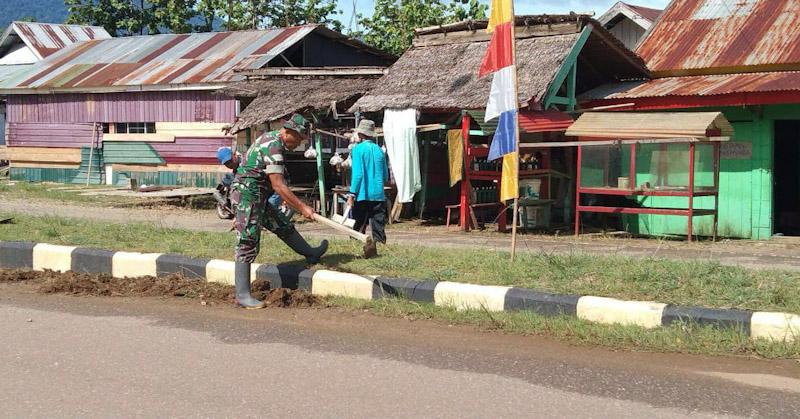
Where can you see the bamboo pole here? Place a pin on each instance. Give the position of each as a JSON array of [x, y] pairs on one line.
[[516, 134]]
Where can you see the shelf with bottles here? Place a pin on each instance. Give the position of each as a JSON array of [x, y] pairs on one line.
[[485, 192]]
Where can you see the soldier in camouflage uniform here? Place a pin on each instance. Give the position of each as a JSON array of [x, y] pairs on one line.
[[260, 173]]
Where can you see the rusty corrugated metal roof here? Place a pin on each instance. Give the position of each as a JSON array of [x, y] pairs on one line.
[[45, 39], [709, 85], [169, 59], [724, 36]]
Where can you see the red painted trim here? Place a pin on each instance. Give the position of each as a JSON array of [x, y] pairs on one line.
[[683, 102], [465, 182]]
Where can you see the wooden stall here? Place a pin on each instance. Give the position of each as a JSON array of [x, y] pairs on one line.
[[640, 155]]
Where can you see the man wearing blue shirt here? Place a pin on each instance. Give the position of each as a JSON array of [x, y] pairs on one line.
[[366, 187]]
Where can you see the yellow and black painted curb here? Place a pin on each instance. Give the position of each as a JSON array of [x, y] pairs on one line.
[[40, 256]]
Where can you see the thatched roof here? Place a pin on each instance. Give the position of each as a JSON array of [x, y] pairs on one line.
[[446, 76], [442, 75], [278, 97]]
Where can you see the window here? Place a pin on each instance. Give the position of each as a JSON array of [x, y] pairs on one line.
[[135, 127], [106, 127]]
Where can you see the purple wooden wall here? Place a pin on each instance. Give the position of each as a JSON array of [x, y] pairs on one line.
[[49, 135], [184, 106], [191, 150]]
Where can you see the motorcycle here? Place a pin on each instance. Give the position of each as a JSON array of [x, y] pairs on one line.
[[225, 209]]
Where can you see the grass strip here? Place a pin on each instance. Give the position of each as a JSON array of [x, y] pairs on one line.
[[693, 283], [680, 338]]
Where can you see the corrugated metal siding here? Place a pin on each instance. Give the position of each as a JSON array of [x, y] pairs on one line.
[[192, 150], [628, 32], [196, 179], [26, 134], [158, 59], [184, 106], [124, 152], [36, 174], [707, 34]]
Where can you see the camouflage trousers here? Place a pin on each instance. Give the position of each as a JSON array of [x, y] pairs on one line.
[[253, 213]]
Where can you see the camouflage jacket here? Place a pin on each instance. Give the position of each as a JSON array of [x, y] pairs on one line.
[[263, 158]]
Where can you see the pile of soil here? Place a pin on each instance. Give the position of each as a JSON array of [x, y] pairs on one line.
[[177, 285]]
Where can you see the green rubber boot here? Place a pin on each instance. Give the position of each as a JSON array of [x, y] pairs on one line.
[[242, 281], [297, 243]]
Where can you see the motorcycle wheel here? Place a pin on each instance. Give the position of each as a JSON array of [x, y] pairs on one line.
[[224, 213]]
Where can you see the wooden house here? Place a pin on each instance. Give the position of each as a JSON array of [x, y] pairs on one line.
[[629, 22], [147, 107], [740, 58], [558, 58]]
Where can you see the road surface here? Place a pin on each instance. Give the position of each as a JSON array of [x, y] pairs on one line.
[[64, 356]]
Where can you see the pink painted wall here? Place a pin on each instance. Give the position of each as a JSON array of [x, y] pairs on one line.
[[21, 134], [191, 150], [184, 106]]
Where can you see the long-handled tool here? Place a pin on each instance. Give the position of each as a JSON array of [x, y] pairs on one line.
[[370, 250]]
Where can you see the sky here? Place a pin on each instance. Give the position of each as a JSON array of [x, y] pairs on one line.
[[529, 7]]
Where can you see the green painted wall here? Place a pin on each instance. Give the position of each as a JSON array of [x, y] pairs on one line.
[[130, 153], [745, 201]]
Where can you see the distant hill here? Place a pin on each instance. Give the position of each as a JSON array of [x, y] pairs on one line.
[[49, 11]]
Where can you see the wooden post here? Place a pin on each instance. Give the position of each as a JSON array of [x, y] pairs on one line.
[[716, 151], [426, 150], [320, 173], [578, 192], [516, 134], [91, 152], [632, 169], [465, 183], [691, 191]]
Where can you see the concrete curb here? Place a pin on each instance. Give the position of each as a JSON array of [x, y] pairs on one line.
[[40, 256]]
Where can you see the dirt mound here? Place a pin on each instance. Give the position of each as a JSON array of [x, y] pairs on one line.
[[17, 275], [284, 297], [177, 285], [147, 286]]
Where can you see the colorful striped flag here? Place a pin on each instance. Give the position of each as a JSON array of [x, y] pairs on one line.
[[503, 102]]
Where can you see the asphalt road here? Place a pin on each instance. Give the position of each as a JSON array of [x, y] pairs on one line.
[[116, 357]]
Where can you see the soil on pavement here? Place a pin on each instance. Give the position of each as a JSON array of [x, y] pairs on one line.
[[72, 283]]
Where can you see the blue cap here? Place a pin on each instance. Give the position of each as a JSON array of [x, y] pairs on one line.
[[224, 154]]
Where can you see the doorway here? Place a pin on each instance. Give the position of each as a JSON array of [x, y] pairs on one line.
[[786, 178]]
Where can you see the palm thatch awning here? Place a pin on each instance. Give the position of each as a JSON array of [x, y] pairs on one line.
[[441, 74], [277, 97]]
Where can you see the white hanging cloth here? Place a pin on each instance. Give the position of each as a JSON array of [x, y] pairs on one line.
[[400, 135]]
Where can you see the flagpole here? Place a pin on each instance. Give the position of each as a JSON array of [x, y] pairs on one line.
[[516, 134]]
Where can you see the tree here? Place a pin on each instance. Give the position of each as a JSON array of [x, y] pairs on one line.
[[301, 12], [129, 17], [391, 27], [171, 15], [118, 17]]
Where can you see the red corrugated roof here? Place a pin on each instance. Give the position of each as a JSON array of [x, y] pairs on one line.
[[724, 36], [645, 12], [44, 39], [701, 86], [532, 121]]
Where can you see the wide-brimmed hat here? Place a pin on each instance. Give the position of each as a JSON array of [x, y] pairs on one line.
[[366, 127], [297, 123]]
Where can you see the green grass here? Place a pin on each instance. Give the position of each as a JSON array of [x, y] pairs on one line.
[[53, 192], [667, 281], [683, 338]]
